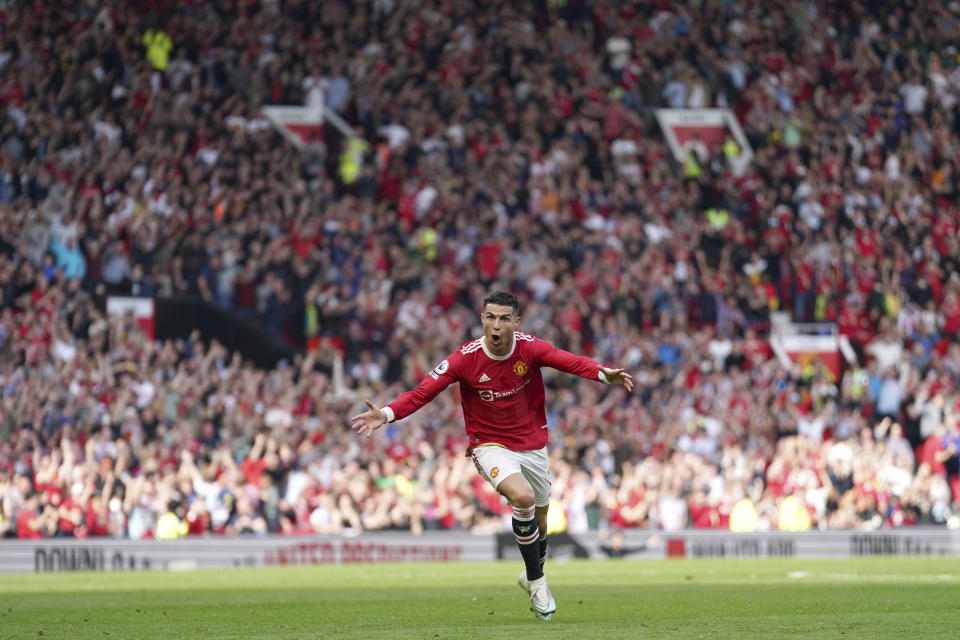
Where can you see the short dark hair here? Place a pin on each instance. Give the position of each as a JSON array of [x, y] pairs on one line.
[[503, 299]]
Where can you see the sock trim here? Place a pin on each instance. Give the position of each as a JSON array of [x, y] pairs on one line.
[[524, 515], [529, 540]]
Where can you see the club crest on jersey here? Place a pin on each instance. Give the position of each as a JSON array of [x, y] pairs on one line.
[[494, 472], [521, 368]]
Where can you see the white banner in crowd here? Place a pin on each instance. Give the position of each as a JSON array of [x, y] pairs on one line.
[[143, 311], [105, 554], [684, 129], [300, 125]]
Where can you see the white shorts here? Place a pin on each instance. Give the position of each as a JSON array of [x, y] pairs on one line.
[[494, 463]]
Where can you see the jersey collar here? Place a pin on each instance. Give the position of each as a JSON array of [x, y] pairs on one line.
[[483, 343]]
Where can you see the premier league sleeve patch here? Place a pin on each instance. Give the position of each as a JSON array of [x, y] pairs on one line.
[[439, 370]]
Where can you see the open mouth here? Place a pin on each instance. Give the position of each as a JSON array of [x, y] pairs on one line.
[[495, 339]]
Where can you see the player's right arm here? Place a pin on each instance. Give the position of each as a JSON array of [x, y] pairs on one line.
[[442, 376]]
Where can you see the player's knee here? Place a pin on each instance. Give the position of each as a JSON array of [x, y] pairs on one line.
[[523, 498], [518, 491]]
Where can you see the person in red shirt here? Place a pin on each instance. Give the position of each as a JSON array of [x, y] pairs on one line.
[[255, 463], [502, 396], [70, 513], [97, 517], [30, 524]]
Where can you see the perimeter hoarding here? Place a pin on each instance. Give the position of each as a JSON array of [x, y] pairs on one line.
[[104, 554]]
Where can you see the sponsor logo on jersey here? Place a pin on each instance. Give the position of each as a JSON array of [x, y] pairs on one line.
[[490, 395], [521, 368], [494, 472], [484, 378]]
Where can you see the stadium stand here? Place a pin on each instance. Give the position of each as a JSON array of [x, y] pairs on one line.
[[502, 146]]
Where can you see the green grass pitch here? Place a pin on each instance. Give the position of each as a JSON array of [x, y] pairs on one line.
[[844, 599]]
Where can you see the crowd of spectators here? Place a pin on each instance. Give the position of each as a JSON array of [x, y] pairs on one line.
[[506, 145]]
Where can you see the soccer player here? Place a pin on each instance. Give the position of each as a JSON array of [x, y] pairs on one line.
[[503, 408]]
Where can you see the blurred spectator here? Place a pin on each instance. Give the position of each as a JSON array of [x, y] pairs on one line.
[[169, 525]]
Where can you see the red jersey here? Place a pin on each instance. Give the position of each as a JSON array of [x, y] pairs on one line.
[[25, 517], [502, 396]]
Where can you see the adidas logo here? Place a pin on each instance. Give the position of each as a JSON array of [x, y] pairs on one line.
[[484, 378]]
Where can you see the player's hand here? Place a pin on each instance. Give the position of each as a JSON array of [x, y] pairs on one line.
[[618, 376], [369, 421]]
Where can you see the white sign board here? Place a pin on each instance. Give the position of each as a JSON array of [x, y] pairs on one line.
[[142, 310], [685, 128]]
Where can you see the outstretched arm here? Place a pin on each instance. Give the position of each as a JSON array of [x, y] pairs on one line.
[[369, 421], [433, 383], [616, 376], [582, 366]]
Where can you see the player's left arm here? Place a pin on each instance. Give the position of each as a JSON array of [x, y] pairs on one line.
[[550, 356]]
